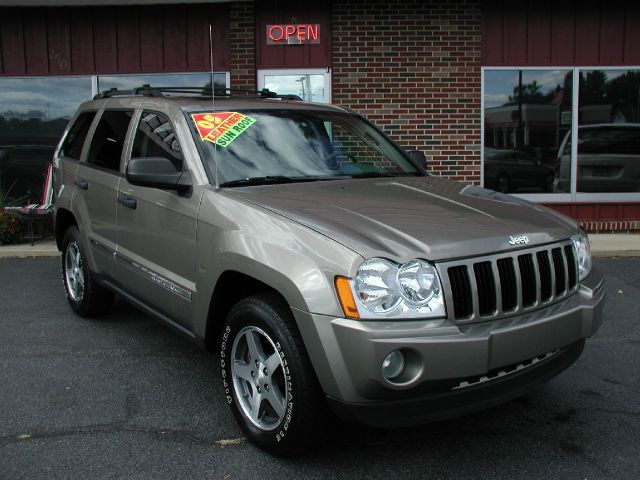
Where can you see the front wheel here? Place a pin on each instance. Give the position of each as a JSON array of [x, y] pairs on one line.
[[86, 297], [268, 380]]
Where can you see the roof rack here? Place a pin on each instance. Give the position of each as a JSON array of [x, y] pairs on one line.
[[149, 91]]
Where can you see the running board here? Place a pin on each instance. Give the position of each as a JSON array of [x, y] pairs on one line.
[[151, 310]]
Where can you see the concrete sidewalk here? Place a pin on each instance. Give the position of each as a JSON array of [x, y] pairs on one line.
[[602, 245]]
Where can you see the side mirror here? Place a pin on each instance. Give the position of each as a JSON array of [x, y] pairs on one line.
[[157, 172], [418, 157]]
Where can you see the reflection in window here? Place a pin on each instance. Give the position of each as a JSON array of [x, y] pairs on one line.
[[108, 140], [527, 115], [33, 114], [303, 144], [156, 138], [309, 87], [609, 131], [129, 82]]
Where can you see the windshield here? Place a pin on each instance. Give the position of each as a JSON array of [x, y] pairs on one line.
[[278, 146]]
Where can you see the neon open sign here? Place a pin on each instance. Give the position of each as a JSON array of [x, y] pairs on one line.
[[290, 34]]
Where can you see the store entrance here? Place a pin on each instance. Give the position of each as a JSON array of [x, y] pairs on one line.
[[311, 84]]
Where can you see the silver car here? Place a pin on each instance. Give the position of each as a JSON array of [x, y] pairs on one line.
[[328, 270], [608, 159]]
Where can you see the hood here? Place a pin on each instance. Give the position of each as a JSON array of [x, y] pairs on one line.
[[402, 218]]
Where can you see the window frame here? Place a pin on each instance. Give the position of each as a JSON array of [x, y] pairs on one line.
[[125, 146], [137, 118], [65, 137], [573, 196]]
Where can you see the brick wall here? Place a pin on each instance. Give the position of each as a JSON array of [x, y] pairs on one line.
[[242, 45], [413, 68]]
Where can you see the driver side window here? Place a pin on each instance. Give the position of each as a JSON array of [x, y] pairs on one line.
[[155, 137]]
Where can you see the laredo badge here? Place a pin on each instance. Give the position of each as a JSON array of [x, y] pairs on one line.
[[221, 128]]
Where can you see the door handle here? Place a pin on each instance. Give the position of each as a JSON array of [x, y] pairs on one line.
[[127, 201], [82, 184]]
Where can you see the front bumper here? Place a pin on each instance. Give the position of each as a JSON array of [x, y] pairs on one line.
[[518, 353]]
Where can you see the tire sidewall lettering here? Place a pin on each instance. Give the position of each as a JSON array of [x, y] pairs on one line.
[[227, 339]]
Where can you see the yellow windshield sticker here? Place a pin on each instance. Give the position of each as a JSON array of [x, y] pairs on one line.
[[221, 128]]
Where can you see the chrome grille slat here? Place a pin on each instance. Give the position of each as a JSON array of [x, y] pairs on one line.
[[506, 284]]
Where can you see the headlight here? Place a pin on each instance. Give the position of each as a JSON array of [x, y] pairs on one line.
[[583, 254], [376, 286], [385, 289]]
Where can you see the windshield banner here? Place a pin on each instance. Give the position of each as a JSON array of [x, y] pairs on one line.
[[221, 128]]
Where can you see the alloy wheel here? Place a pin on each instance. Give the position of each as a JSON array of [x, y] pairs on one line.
[[259, 378]]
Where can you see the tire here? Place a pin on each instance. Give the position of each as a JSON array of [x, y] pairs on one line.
[[86, 297], [548, 183], [503, 183], [275, 398]]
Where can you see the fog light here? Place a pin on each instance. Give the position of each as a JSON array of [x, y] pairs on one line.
[[393, 365]]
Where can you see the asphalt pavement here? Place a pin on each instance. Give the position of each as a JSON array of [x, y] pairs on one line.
[[125, 397]]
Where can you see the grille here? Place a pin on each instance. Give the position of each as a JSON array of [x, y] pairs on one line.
[[497, 285]]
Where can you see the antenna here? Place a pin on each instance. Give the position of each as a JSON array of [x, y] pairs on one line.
[[213, 106]]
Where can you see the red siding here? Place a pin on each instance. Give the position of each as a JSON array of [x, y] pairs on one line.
[[603, 216], [105, 44], [151, 29], [128, 39], [293, 56], [81, 40], [561, 33], [539, 26], [58, 43], [175, 49], [12, 41], [632, 36], [35, 43]]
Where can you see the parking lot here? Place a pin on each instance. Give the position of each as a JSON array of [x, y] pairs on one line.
[[125, 397]]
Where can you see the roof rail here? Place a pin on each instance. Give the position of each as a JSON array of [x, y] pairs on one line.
[[149, 91]]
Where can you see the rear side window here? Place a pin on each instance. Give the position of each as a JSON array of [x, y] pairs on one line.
[[610, 141], [108, 140], [72, 146], [155, 137]]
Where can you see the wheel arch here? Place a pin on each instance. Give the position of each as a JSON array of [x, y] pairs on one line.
[[64, 220], [231, 287]]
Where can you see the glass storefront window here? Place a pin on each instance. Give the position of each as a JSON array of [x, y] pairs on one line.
[[609, 131], [310, 88], [34, 112], [527, 114], [128, 82], [310, 84]]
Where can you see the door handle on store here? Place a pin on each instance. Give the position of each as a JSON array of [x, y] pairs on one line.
[[82, 184], [127, 201]]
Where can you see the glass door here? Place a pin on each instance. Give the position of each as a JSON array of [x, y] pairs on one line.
[[311, 84]]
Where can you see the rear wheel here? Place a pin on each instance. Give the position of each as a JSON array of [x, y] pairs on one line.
[[268, 379], [86, 297]]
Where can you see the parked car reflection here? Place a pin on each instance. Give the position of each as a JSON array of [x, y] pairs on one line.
[[510, 171], [608, 159]]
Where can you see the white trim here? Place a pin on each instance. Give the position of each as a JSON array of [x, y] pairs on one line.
[[298, 71], [607, 197], [94, 85], [545, 197], [575, 111], [482, 127], [574, 196]]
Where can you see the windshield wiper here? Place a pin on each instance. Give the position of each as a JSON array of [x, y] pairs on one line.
[[271, 180], [372, 175], [381, 174]]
